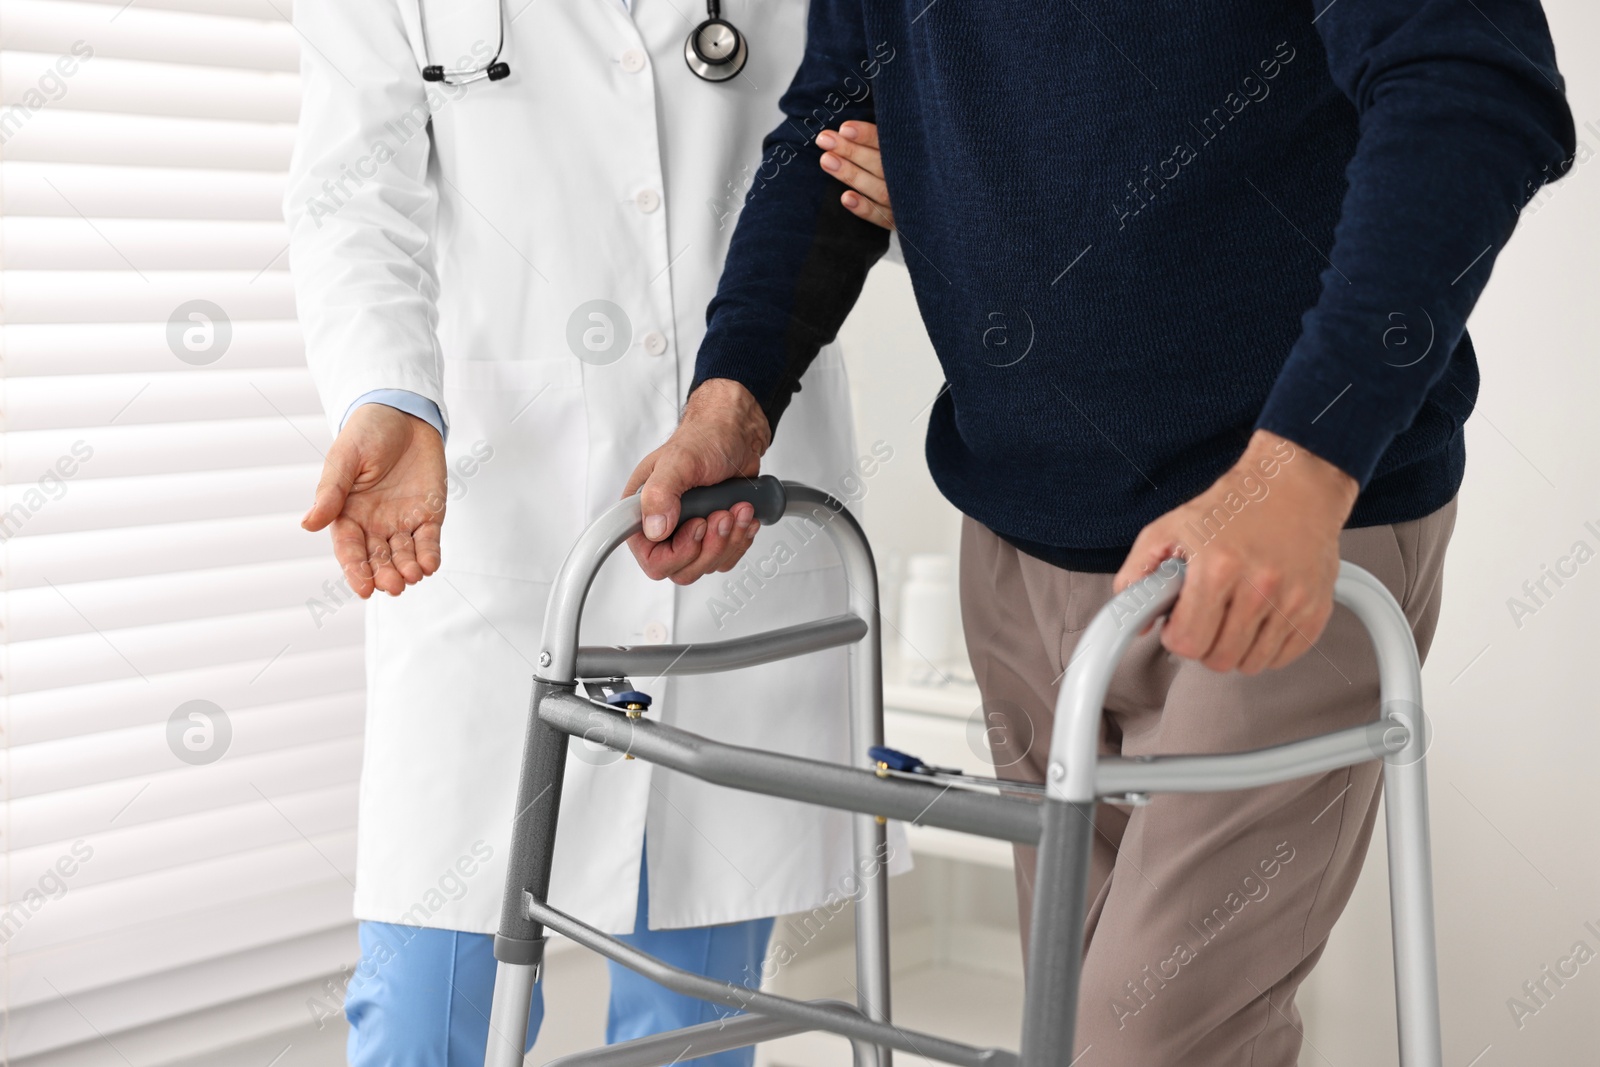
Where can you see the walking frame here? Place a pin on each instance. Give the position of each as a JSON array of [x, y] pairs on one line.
[[1060, 822]]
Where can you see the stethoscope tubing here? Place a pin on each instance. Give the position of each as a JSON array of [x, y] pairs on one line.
[[707, 68]]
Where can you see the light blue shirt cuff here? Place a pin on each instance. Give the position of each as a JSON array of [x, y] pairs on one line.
[[402, 400]]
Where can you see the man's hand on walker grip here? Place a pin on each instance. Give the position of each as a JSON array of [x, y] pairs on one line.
[[1262, 546], [722, 435], [383, 495]]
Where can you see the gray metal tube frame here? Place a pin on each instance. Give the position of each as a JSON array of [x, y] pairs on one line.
[[692, 1042], [823, 1015], [651, 661], [558, 664], [1076, 776], [754, 770]]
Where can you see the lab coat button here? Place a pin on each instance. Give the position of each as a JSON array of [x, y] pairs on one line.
[[633, 61], [655, 633], [655, 342], [647, 200]]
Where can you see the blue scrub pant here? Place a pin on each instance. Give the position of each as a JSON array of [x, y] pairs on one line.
[[420, 997]]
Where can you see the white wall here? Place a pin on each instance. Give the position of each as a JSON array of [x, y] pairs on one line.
[[1517, 740]]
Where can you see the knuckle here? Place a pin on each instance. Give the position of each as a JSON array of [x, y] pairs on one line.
[[1294, 601], [1314, 607], [1318, 621], [1269, 582], [1223, 567], [1179, 641]]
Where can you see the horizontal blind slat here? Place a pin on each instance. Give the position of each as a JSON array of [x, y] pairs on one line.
[[35, 296], [138, 850], [80, 244], [136, 87], [108, 503], [55, 348], [98, 555], [267, 10], [272, 968], [110, 452], [139, 32], [62, 401], [143, 751], [256, 638], [68, 814], [58, 135], [80, 710], [139, 950], [98, 191], [61, 609], [92, 912]]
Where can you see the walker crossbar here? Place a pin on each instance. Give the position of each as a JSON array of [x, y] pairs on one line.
[[1118, 776], [755, 770], [928, 802], [826, 1015], [719, 1035], [653, 661], [1061, 823]]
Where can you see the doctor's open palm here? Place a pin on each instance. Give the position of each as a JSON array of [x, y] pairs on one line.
[[382, 494]]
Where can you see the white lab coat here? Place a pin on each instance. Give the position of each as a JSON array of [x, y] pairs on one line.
[[450, 262]]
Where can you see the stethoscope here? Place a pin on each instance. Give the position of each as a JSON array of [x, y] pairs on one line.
[[715, 51]]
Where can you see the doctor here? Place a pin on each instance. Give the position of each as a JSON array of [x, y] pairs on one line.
[[502, 267]]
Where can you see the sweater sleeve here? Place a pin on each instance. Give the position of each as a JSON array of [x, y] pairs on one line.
[[1462, 119], [798, 258]]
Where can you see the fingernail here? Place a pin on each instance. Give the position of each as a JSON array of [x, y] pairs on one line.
[[699, 532], [850, 200], [655, 526], [826, 139], [830, 161], [725, 527], [849, 130]]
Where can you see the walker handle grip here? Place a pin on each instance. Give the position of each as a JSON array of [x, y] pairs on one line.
[[765, 494]]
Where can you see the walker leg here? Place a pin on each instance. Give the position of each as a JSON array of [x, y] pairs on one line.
[[519, 946], [870, 836], [508, 1014], [1055, 942], [1416, 972], [872, 932]]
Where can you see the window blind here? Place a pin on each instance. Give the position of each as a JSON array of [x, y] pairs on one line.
[[180, 665]]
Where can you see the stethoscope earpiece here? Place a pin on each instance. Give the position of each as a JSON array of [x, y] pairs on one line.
[[715, 50], [493, 70]]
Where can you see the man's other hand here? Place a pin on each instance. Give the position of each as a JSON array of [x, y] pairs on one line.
[[722, 435], [383, 492], [1262, 546], [852, 156]]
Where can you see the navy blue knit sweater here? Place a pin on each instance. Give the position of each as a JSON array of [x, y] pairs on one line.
[[1137, 232]]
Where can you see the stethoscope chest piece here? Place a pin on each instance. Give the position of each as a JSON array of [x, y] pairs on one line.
[[715, 50]]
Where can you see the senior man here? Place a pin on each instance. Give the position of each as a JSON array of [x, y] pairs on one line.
[[1233, 248]]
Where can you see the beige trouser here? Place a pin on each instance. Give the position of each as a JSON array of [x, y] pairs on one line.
[[1206, 911]]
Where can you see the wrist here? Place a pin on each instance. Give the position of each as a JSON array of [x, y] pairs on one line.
[[1299, 466], [731, 407]]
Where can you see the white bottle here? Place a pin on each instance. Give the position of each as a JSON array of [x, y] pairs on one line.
[[927, 611]]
